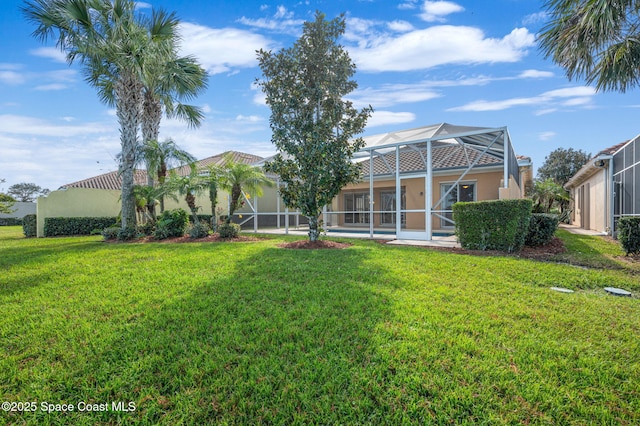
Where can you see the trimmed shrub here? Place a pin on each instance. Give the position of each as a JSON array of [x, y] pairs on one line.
[[171, 223], [110, 233], [30, 225], [198, 230], [629, 234], [228, 230], [10, 221], [492, 225], [64, 226], [542, 228]]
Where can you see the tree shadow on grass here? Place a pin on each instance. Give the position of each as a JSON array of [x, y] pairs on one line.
[[283, 338]]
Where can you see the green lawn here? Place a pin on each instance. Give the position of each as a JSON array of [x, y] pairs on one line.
[[250, 333]]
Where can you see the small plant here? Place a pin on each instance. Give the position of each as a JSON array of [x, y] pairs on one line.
[[110, 233], [199, 230], [629, 234], [228, 230], [542, 228], [171, 223]]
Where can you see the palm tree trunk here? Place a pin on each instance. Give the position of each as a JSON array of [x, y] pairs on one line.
[[151, 117], [128, 91]]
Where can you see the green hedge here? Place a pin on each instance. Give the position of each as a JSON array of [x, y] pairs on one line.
[[62, 226], [629, 234], [30, 225], [542, 228], [10, 221], [492, 225]]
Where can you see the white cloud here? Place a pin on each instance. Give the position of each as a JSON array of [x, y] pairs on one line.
[[382, 118], [435, 11], [393, 94], [50, 52], [535, 74], [282, 21], [11, 78], [439, 45], [535, 18], [249, 118], [545, 136], [23, 125], [400, 26], [50, 87], [577, 96], [221, 50]]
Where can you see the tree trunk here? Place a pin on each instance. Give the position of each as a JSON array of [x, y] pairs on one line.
[[151, 117], [128, 91], [314, 232]]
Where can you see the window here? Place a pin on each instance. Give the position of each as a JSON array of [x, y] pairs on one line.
[[388, 207], [356, 207], [461, 192]]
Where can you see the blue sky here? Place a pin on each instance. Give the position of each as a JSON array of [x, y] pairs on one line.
[[419, 63]]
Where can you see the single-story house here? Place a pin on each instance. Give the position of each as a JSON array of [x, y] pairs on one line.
[[431, 167], [607, 188]]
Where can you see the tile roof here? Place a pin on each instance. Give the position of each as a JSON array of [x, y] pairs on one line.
[[413, 160], [612, 149], [113, 181]]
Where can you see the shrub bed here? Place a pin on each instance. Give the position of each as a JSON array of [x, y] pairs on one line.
[[542, 228], [64, 226], [492, 225], [629, 234]]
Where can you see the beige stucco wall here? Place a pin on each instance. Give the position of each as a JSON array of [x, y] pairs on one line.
[[83, 202], [597, 202], [77, 202]]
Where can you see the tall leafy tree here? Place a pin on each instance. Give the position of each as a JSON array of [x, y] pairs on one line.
[[238, 178], [116, 48], [312, 124], [6, 202], [26, 192], [598, 40], [561, 164]]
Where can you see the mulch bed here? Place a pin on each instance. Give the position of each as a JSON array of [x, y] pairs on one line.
[[546, 252], [215, 238]]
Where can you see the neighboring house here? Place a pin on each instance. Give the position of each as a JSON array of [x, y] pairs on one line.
[[442, 163], [607, 188], [99, 196], [19, 209]]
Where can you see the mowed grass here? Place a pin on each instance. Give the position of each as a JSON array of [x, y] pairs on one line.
[[251, 333]]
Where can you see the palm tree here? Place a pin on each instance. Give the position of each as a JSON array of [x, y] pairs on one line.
[[597, 40], [146, 199], [117, 49], [160, 156], [211, 176], [167, 84], [189, 186], [237, 177]]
